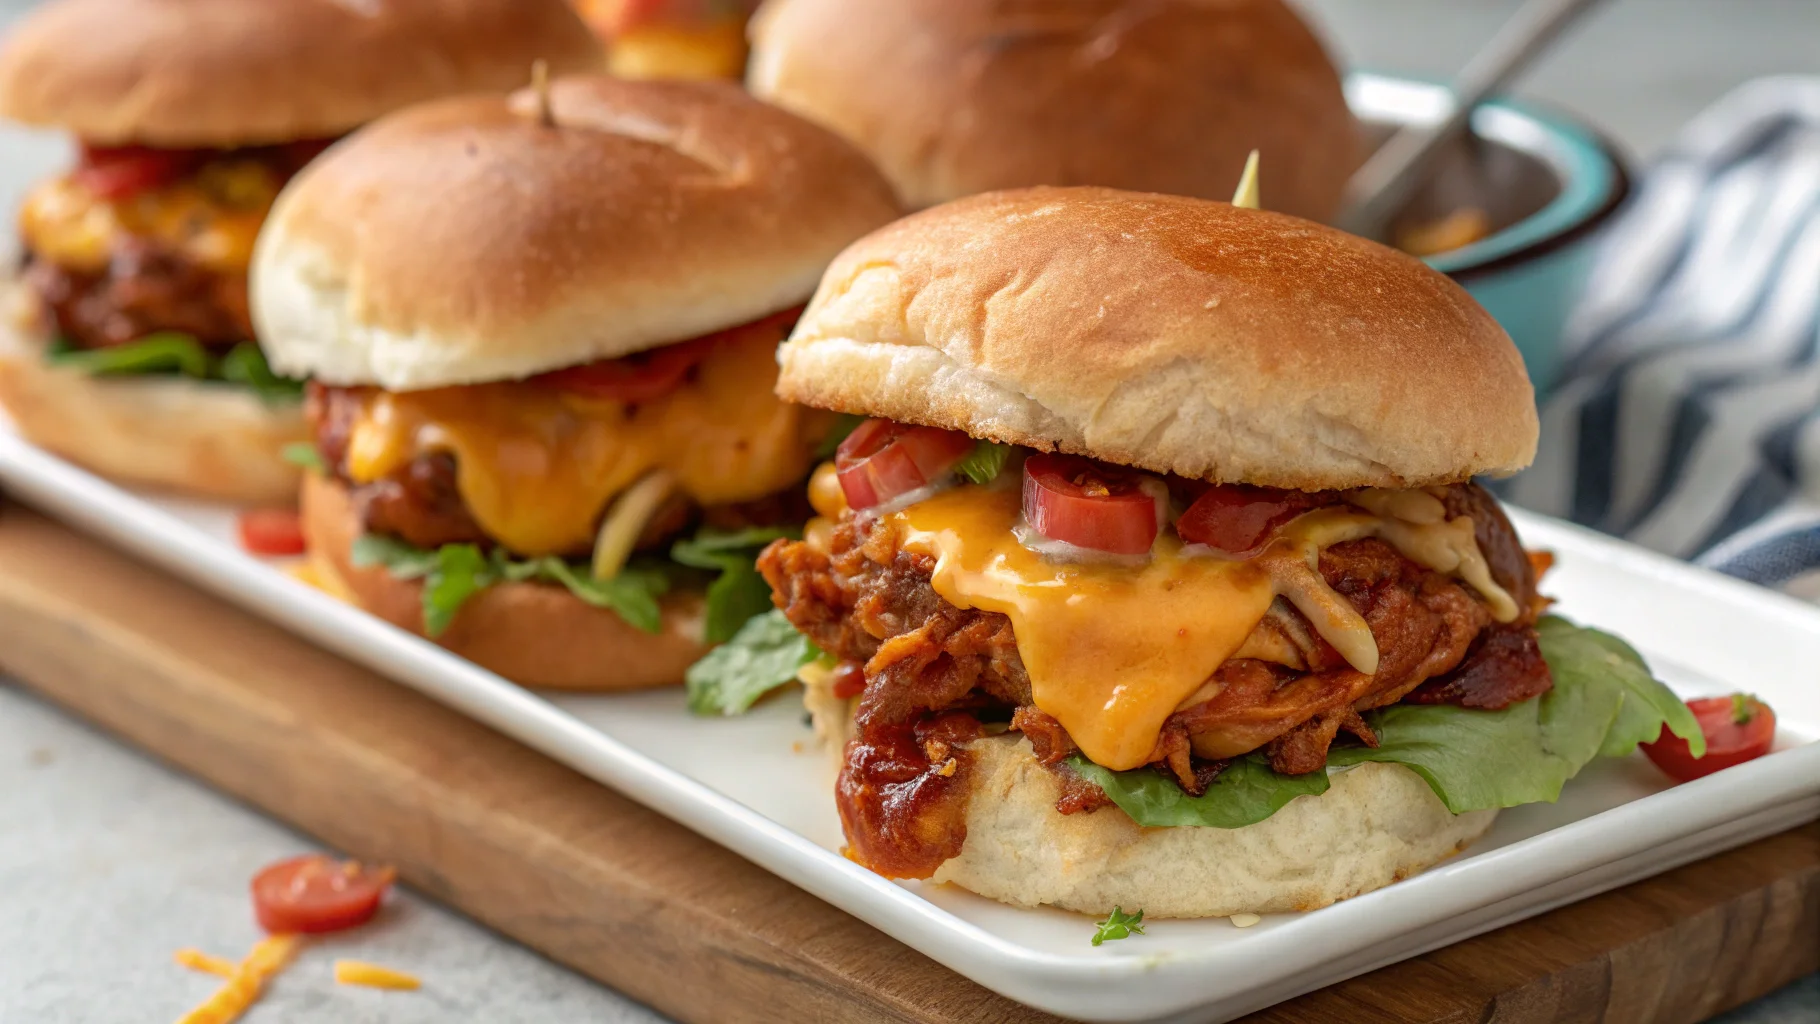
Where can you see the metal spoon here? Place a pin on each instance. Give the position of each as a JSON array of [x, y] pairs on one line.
[[1379, 188]]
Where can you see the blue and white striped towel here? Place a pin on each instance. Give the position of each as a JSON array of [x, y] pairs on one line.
[[1689, 416]]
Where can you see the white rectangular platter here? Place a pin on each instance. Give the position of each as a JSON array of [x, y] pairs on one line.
[[758, 785]]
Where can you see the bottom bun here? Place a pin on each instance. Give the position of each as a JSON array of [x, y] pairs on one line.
[[1379, 823], [172, 433], [534, 634]]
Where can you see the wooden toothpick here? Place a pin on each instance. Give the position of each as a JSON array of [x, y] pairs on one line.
[[1246, 195], [540, 85]]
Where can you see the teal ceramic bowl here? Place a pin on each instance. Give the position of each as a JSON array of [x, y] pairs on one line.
[[1542, 183]]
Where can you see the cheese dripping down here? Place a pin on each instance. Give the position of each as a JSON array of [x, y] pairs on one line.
[[1112, 650], [537, 467]]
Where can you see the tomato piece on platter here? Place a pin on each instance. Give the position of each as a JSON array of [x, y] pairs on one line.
[[883, 459], [1738, 728], [121, 172], [272, 531], [1239, 519], [315, 893], [1089, 504]]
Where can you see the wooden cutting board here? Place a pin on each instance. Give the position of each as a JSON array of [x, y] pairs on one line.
[[570, 868]]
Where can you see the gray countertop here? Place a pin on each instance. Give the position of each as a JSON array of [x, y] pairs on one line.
[[109, 862]]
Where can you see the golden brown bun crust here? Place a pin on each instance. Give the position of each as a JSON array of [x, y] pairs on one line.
[[531, 633], [1377, 824], [220, 73], [1177, 335], [465, 241], [169, 433], [953, 97]]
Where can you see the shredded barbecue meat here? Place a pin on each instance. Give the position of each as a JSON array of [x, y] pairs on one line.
[[866, 600]]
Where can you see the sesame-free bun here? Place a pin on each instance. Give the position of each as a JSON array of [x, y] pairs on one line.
[[1377, 824], [534, 634], [203, 438], [221, 73], [954, 97], [467, 241], [1175, 335]]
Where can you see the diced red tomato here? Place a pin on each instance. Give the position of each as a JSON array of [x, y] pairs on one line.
[[1240, 520], [883, 459], [121, 172], [314, 893], [648, 376], [272, 531], [849, 679], [640, 378], [1737, 729], [1089, 504]]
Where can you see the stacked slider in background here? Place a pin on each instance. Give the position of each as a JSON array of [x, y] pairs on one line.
[[1160, 581], [672, 38], [128, 346], [955, 97], [541, 333]]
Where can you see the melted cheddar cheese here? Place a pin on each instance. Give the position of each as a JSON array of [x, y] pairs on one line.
[[1112, 649], [537, 466], [210, 217]]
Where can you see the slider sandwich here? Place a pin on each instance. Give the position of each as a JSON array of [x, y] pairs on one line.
[[955, 97], [1157, 576], [540, 333], [127, 346]]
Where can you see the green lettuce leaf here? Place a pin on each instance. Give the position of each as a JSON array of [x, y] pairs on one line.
[[454, 573], [245, 364], [304, 455], [1604, 701], [1245, 793], [174, 352], [738, 593], [162, 352], [764, 655], [983, 463]]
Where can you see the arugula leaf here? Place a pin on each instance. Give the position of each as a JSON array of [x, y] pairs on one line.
[[1119, 925], [245, 364], [454, 573], [983, 463], [398, 558], [845, 423], [1245, 793], [162, 352], [633, 593], [305, 455], [460, 572], [739, 592], [1604, 702], [764, 655]]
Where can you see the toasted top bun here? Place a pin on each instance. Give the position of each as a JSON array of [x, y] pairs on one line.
[[466, 240], [1177, 335], [954, 97], [220, 73]]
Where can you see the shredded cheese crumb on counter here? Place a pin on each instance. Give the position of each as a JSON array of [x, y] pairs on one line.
[[197, 960], [354, 972], [247, 983]]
